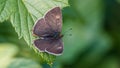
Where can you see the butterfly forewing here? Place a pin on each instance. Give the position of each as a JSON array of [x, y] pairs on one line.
[[54, 19], [52, 22], [41, 28]]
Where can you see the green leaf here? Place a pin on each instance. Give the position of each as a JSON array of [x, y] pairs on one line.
[[6, 8], [22, 22]]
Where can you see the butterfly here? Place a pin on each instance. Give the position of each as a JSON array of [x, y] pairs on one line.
[[48, 29]]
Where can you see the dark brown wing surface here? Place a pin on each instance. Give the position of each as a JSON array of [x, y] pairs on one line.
[[41, 28], [54, 47], [42, 44], [54, 19], [52, 22]]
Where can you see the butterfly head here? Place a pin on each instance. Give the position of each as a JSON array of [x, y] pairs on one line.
[[57, 35]]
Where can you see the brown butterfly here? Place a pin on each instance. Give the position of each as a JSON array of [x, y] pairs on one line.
[[48, 29]]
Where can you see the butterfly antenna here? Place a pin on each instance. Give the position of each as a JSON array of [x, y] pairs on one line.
[[67, 31]]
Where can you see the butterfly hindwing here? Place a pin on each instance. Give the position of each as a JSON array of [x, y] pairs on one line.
[[54, 47]]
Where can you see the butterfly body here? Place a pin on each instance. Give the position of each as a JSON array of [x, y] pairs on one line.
[[54, 36], [48, 29]]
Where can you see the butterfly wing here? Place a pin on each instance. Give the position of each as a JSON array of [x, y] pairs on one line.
[[42, 44], [54, 47], [41, 28], [54, 19], [52, 22]]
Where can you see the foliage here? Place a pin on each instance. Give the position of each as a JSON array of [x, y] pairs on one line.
[[94, 40]]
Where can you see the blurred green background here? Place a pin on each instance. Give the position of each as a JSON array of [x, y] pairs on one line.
[[94, 40]]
